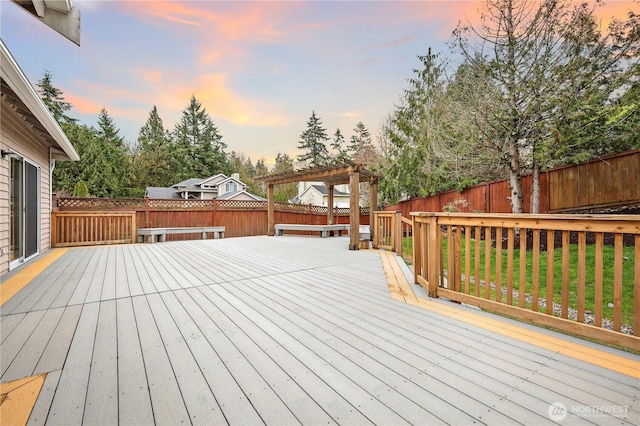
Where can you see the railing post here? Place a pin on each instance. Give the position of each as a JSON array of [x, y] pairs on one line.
[[434, 247], [398, 232], [374, 230], [417, 249]]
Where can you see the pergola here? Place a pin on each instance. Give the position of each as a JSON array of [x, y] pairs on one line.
[[344, 173]]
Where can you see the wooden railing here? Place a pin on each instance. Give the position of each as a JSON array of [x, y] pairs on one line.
[[81, 228], [575, 273], [393, 232]]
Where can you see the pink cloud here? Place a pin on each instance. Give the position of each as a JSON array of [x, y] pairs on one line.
[[391, 43]]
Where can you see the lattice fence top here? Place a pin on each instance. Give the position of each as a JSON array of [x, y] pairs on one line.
[[100, 203], [171, 204], [241, 204]]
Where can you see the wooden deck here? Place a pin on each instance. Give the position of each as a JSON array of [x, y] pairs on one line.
[[288, 330]]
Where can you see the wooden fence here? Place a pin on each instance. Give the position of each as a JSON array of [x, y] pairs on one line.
[[600, 184], [570, 272], [240, 218], [393, 232], [70, 229]]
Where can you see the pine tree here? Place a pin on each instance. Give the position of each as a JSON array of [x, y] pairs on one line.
[[313, 143], [109, 168], [199, 149], [340, 152], [361, 146], [152, 155], [288, 191], [54, 100]]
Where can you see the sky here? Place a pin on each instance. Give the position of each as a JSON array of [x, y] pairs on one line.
[[259, 68]]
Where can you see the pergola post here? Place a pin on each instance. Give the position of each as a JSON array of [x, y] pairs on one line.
[[354, 210], [271, 219], [373, 206], [329, 203]]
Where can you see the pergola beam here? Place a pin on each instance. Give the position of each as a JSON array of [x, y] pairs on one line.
[[345, 173]]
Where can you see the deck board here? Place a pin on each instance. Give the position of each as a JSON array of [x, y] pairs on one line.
[[288, 330], [230, 398], [25, 361], [101, 405], [8, 323], [166, 399], [68, 404], [134, 401]]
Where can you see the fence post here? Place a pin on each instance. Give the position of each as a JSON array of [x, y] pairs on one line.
[[134, 235], [146, 212]]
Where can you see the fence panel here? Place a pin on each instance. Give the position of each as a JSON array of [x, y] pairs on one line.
[[70, 229], [598, 184]]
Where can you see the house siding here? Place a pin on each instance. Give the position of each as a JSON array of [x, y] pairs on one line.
[[17, 136]]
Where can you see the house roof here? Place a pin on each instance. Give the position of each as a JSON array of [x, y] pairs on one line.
[[187, 183], [161, 193], [232, 195], [22, 98], [57, 14], [214, 180], [324, 191]]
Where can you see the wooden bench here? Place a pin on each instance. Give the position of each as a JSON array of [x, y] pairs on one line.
[[322, 229], [161, 233]]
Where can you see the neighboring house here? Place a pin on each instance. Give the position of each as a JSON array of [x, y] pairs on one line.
[[30, 141], [219, 187], [316, 194]]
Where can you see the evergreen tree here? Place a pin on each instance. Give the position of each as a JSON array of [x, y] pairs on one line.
[[286, 192], [409, 146], [108, 161], [81, 190], [199, 149], [67, 173], [313, 143], [340, 152], [152, 155], [54, 100], [361, 147]]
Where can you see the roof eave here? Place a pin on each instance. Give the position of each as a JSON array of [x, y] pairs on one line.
[[17, 80]]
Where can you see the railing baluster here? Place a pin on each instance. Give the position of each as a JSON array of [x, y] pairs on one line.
[[510, 254], [498, 297], [565, 273], [523, 267], [582, 248], [617, 282], [550, 270], [535, 271], [476, 279], [487, 262], [467, 259], [597, 308]]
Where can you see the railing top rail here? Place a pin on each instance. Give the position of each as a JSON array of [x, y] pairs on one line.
[[629, 224], [511, 216], [94, 213]]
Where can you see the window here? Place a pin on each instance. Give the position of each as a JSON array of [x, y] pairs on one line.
[[231, 187]]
